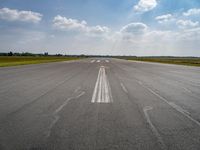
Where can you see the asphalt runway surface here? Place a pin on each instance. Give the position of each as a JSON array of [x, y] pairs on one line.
[[100, 104]]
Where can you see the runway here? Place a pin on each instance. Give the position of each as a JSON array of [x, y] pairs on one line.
[[100, 104]]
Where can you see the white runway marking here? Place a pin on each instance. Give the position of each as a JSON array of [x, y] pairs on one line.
[[153, 128], [92, 61], [176, 107], [123, 87], [107, 61], [102, 91], [98, 61]]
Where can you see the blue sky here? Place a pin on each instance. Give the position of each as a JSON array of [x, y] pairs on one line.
[[107, 27]]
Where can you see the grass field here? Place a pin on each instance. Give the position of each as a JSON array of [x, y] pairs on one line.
[[25, 60], [190, 61]]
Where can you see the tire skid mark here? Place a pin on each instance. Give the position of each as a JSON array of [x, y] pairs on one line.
[[56, 117], [25, 106], [173, 105], [124, 88], [153, 128]]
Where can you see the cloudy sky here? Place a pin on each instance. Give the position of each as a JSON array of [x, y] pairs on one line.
[[107, 27]]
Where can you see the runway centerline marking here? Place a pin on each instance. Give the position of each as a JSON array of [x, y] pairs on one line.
[[102, 90], [107, 61], [98, 61], [153, 128], [92, 61]]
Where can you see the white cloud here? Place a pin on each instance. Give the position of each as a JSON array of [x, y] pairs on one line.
[[164, 18], [141, 34], [70, 24], [81, 26], [132, 32], [157, 42], [145, 5], [132, 39], [98, 29], [187, 24], [189, 34], [193, 11], [16, 15], [134, 28]]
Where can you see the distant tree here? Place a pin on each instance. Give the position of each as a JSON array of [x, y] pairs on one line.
[[27, 54], [16, 54], [46, 54], [3, 54], [82, 55], [10, 53], [59, 55]]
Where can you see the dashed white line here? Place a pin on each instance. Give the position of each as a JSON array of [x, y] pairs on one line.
[[102, 91], [98, 61], [92, 61], [107, 61], [153, 128], [124, 88]]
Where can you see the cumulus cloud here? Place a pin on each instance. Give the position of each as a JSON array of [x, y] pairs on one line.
[[70, 24], [132, 32], [134, 28], [140, 33], [16, 15], [75, 25], [98, 29], [193, 11], [145, 5], [187, 24], [156, 42], [164, 18]]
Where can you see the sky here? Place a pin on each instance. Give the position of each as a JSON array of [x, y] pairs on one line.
[[101, 27]]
